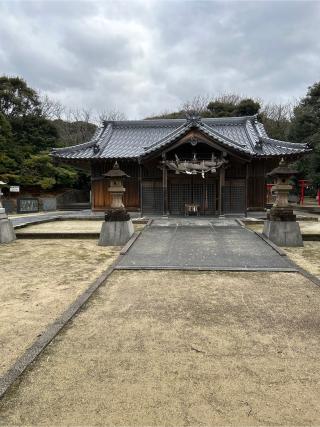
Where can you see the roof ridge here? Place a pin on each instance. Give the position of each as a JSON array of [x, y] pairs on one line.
[[284, 143], [147, 122], [186, 126], [248, 127], [150, 122], [107, 134], [225, 119], [220, 135]]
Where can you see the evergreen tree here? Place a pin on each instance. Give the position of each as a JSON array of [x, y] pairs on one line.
[[305, 127], [247, 107], [26, 136], [17, 99]]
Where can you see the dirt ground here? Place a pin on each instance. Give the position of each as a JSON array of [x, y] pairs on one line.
[[39, 279], [307, 257], [181, 348], [76, 226], [72, 226]]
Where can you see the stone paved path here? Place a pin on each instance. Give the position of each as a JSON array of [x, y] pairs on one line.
[[215, 244]]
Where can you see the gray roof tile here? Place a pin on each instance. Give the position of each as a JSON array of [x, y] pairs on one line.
[[135, 139]]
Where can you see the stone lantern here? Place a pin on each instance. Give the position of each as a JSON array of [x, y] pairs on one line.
[[7, 233], [117, 227], [116, 188], [281, 226], [281, 210]]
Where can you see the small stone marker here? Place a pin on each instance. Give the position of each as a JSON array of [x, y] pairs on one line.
[[117, 227], [281, 226], [7, 233]]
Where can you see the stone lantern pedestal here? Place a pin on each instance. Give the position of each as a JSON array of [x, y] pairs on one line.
[[7, 234], [117, 227], [281, 226]]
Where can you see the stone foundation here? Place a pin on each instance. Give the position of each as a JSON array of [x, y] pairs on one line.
[[115, 233], [7, 233], [283, 233]]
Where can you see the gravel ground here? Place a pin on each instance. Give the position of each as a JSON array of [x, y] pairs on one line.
[[39, 279], [181, 348]]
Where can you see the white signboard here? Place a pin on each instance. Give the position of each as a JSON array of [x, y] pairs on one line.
[[14, 189]]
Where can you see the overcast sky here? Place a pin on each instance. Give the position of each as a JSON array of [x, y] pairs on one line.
[[145, 57]]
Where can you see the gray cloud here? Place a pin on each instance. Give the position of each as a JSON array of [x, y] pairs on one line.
[[144, 56]]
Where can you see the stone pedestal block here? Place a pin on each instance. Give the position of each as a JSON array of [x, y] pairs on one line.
[[115, 233], [283, 233], [7, 233]]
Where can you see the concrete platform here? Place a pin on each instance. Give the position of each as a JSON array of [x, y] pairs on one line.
[[218, 244]]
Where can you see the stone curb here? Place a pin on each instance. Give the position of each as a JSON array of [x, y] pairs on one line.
[[37, 222], [57, 235], [128, 245], [292, 269], [135, 236], [51, 331], [240, 222], [72, 218], [314, 279], [273, 245]]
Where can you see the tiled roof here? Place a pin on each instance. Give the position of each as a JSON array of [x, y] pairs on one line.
[[136, 139]]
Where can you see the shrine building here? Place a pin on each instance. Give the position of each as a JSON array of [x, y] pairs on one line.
[[213, 166]]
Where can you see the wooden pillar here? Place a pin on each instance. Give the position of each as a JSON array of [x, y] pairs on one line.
[[140, 189], [93, 187], [221, 184], [246, 190], [164, 187]]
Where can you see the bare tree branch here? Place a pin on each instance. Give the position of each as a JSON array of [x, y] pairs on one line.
[[110, 115], [50, 109]]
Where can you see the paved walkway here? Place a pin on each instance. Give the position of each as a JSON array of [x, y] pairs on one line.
[[215, 244]]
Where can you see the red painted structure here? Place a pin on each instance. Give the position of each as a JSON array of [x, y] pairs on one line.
[[303, 183]]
